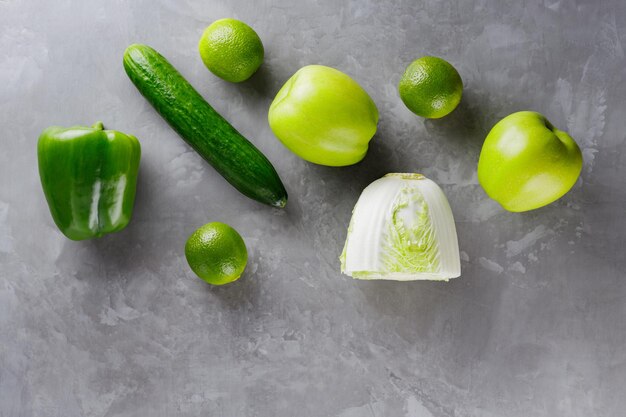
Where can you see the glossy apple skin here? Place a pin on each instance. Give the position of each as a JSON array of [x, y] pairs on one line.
[[527, 163], [323, 116]]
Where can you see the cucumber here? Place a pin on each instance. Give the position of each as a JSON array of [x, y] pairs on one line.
[[219, 143]]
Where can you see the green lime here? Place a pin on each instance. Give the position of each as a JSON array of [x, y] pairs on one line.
[[231, 50], [216, 253], [431, 87]]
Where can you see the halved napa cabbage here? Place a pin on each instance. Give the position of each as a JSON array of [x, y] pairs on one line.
[[402, 229]]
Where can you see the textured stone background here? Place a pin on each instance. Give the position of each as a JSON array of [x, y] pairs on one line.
[[120, 327]]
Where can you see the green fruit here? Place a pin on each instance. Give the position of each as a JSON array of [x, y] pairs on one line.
[[216, 140], [527, 163], [231, 50], [431, 87], [216, 253], [323, 116]]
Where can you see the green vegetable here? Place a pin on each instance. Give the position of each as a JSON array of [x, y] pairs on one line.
[[232, 155], [527, 163], [323, 116], [89, 176], [402, 229]]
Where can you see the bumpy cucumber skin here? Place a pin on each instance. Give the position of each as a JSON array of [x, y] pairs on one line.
[[219, 143]]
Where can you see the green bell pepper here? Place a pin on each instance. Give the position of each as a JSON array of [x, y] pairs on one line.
[[89, 176]]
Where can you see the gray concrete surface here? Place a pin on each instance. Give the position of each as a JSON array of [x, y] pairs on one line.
[[120, 326]]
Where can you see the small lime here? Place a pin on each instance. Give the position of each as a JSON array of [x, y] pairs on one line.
[[431, 87], [231, 50], [216, 253]]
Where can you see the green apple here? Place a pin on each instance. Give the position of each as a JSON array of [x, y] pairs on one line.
[[323, 116], [527, 163]]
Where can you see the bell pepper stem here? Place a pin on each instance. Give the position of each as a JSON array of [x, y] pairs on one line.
[[98, 125]]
